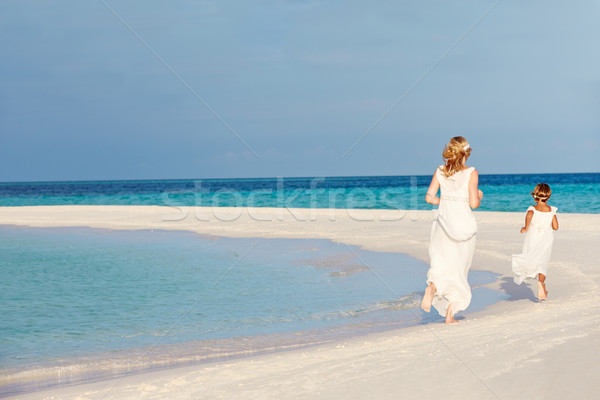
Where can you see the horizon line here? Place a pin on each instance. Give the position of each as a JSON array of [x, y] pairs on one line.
[[272, 177]]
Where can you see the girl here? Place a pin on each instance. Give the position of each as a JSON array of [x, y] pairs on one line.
[[537, 246], [453, 232]]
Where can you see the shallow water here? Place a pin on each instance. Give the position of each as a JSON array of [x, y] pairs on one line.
[[82, 303]]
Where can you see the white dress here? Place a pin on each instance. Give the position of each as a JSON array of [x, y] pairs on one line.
[[537, 247], [452, 243]]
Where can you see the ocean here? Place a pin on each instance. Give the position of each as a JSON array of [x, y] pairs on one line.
[[571, 193], [81, 304]]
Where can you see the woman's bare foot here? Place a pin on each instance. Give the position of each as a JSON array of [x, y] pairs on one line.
[[428, 298], [450, 315], [542, 292]]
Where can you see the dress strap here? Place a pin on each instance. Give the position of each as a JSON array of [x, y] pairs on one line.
[[439, 172]]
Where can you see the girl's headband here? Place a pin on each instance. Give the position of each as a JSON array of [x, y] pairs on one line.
[[541, 197]]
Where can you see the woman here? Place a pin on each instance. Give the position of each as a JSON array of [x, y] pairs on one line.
[[453, 232]]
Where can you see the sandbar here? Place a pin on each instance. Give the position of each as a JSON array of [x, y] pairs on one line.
[[518, 348]]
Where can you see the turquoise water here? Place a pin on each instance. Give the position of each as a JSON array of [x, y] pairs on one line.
[[81, 303], [572, 193]]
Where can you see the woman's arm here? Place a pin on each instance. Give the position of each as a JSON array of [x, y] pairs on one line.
[[475, 195], [434, 186], [528, 218]]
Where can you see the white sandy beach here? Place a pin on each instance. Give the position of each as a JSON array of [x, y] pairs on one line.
[[515, 349]]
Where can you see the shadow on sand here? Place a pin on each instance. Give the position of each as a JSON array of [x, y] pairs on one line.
[[517, 292]]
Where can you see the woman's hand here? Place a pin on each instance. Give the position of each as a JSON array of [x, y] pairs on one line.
[[480, 193], [432, 199], [523, 230]]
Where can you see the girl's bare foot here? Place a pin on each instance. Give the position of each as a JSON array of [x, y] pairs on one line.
[[428, 298], [450, 315], [542, 292]]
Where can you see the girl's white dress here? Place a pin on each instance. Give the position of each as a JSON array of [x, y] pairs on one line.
[[537, 247], [452, 243]]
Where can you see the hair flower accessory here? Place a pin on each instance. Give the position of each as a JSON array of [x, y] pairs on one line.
[[467, 147]]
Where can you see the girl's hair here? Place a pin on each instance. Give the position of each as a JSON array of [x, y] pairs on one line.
[[454, 153], [541, 192]]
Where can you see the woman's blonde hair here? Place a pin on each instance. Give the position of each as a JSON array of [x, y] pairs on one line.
[[454, 153], [542, 192]]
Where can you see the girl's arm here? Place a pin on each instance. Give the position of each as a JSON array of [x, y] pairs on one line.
[[475, 195], [528, 218], [555, 223], [434, 186]]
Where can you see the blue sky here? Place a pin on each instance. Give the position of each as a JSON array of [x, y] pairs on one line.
[[209, 89]]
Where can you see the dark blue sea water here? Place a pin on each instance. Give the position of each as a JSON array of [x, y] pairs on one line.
[[572, 193]]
